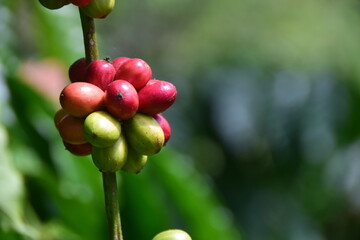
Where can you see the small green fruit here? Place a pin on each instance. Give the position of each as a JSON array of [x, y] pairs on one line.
[[101, 129], [135, 161], [172, 234], [99, 8], [144, 134], [110, 159]]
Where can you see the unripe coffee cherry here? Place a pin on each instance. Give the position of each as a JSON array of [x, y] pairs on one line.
[[117, 62], [81, 3], [156, 97], [78, 149], [77, 70], [80, 99], [172, 234], [58, 116], [71, 129], [144, 134], [53, 4], [110, 159], [100, 73], [164, 124], [121, 99], [101, 129], [99, 8], [136, 71], [135, 161]]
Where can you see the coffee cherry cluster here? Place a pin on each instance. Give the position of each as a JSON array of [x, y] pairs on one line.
[[92, 8], [112, 110]]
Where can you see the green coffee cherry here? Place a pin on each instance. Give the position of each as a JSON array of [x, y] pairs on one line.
[[101, 129], [172, 234], [53, 4], [110, 159], [99, 8], [135, 161], [144, 134]]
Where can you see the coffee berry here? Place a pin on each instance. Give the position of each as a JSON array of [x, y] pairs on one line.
[[172, 234], [54, 4], [81, 3], [99, 8], [81, 98], [77, 70]]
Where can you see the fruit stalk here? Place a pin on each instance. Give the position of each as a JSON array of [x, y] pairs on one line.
[[109, 178], [90, 43], [112, 206]]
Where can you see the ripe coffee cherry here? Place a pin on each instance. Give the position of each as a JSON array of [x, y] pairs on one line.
[[135, 161], [101, 129], [156, 97], [53, 4], [172, 234], [80, 99], [99, 8], [78, 149], [136, 71], [71, 129], [81, 3], [110, 159], [117, 62], [121, 99], [100, 73], [164, 124], [77, 70], [144, 134], [58, 116]]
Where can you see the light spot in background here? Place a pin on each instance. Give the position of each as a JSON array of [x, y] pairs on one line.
[[48, 77], [290, 89], [261, 221], [343, 173], [234, 102], [7, 115]]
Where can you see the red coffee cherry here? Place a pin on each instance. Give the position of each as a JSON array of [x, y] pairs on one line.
[[164, 124], [121, 99], [80, 99], [81, 3], [152, 81], [77, 70], [71, 129], [78, 149], [136, 71], [156, 97], [100, 73], [58, 116], [117, 62]]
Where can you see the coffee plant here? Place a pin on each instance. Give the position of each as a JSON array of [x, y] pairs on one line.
[[112, 110]]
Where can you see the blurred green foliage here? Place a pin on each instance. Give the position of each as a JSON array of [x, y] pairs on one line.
[[266, 129]]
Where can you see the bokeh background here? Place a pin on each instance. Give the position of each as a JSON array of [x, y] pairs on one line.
[[266, 126]]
